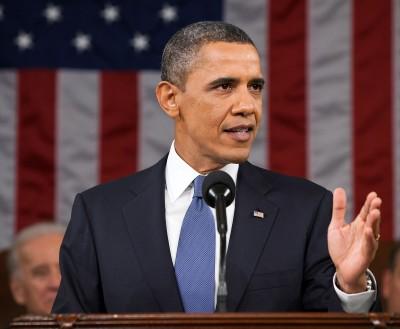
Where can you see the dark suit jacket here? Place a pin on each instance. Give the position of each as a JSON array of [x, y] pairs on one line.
[[115, 255]]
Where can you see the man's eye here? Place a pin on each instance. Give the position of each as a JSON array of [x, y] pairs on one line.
[[256, 87], [40, 271], [225, 86]]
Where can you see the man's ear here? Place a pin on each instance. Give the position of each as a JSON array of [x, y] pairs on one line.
[[166, 94], [18, 290]]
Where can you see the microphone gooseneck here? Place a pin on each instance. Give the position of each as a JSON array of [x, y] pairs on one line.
[[219, 192]]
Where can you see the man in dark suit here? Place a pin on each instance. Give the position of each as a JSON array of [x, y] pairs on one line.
[[121, 247]]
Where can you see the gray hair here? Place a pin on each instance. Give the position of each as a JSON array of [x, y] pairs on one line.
[[182, 48], [29, 233]]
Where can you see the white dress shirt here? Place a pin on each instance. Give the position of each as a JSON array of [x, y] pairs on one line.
[[178, 196]]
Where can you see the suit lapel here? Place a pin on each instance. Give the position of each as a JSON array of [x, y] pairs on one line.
[[249, 233], [145, 217]]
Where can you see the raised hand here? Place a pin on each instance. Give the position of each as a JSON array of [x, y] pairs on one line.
[[352, 246]]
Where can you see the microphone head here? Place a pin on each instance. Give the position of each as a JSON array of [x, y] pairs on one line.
[[218, 183]]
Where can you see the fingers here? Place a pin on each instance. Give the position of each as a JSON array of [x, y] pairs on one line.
[[376, 203], [367, 205], [370, 214], [339, 207], [371, 243], [373, 219]]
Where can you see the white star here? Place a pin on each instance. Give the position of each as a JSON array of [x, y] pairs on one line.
[[24, 40], [82, 42], [1, 12], [52, 13], [140, 42], [110, 13], [168, 13]]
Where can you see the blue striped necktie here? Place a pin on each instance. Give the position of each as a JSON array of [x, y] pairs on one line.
[[195, 257]]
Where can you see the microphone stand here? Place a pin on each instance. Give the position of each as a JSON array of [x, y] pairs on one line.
[[222, 292], [219, 192]]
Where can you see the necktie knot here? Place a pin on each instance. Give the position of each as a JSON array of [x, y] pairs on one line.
[[198, 185]]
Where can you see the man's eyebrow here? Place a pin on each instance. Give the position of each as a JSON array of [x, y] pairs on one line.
[[222, 81], [259, 81], [229, 80]]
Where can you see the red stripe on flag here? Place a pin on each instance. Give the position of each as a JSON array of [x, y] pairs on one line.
[[35, 147], [372, 120], [119, 124], [287, 87]]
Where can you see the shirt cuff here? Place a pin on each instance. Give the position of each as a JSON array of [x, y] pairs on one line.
[[360, 302]]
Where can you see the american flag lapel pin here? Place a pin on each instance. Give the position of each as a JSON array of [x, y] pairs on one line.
[[258, 214]]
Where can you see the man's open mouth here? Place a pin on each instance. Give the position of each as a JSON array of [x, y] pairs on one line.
[[239, 129], [240, 133]]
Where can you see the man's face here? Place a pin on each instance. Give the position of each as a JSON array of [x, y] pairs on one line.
[[391, 288], [220, 107], [35, 285]]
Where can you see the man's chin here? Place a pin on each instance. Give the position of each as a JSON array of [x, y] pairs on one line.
[[217, 160], [238, 157]]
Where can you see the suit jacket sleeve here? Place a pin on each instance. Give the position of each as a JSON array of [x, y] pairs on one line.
[[80, 289]]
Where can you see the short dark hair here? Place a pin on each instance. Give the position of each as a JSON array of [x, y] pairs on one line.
[[393, 256], [183, 46]]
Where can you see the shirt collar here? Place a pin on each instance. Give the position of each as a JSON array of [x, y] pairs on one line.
[[179, 175]]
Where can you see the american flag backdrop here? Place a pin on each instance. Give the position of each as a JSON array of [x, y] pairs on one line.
[[77, 104]]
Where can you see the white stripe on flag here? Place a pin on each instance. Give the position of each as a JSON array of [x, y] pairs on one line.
[[251, 17], [396, 117], [329, 101], [77, 137], [8, 155], [155, 127]]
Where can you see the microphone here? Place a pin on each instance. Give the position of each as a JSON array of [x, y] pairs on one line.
[[219, 192]]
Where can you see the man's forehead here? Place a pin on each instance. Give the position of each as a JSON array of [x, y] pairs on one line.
[[40, 245], [228, 59], [227, 50]]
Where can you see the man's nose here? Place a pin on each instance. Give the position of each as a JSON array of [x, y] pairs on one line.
[[54, 279], [245, 104]]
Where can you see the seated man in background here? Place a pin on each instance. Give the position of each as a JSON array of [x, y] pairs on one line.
[[391, 281], [34, 267]]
